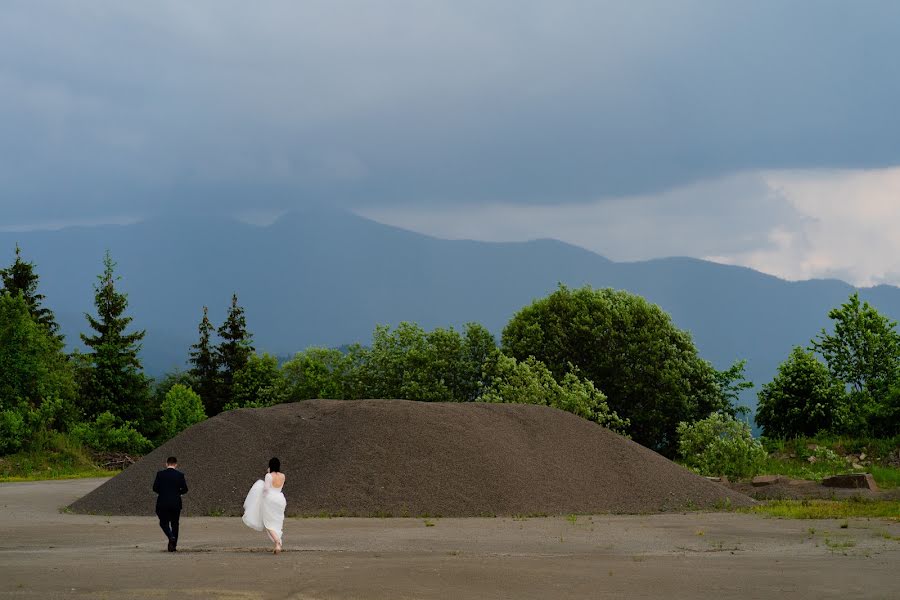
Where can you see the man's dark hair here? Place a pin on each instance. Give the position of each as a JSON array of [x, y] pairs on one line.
[[274, 465], [171, 461]]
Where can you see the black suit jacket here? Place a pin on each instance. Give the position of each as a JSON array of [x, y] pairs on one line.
[[170, 485]]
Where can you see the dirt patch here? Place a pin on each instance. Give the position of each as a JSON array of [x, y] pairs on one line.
[[400, 458]]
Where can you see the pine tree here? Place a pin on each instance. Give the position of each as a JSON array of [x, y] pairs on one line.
[[114, 380], [235, 349], [20, 278], [205, 367]]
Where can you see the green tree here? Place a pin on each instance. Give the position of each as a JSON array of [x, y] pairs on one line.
[[720, 445], [531, 382], [803, 399], [864, 349], [885, 421], [233, 351], [37, 385], [259, 383], [648, 368], [731, 383], [114, 381], [20, 278], [440, 366], [181, 408], [33, 366], [322, 373], [205, 366]]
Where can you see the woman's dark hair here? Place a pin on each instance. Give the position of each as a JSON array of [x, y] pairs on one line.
[[274, 465]]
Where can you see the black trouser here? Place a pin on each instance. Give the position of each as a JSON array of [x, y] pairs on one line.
[[168, 521]]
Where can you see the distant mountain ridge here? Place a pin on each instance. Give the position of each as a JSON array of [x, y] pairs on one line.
[[324, 277]]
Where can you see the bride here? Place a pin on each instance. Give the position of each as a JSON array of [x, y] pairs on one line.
[[264, 506]]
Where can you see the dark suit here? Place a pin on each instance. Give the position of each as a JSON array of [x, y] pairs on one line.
[[170, 485]]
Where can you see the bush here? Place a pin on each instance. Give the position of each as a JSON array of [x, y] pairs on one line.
[[259, 383], [13, 432], [106, 433], [531, 382], [28, 427], [720, 445], [181, 408]]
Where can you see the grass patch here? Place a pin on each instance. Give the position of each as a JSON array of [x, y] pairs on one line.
[[828, 509], [59, 458], [886, 477], [789, 458], [839, 545]]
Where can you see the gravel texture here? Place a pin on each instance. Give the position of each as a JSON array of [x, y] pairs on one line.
[[402, 458]]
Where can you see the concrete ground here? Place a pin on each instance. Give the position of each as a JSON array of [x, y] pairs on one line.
[[45, 553]]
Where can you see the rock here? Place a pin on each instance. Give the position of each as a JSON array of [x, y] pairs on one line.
[[857, 466], [812, 460], [862, 456], [812, 446], [763, 480], [723, 479], [856, 481]]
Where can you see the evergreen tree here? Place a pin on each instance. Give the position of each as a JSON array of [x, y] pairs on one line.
[[234, 351], [113, 380], [20, 278], [205, 367]]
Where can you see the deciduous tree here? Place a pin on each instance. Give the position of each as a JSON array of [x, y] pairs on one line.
[[648, 368]]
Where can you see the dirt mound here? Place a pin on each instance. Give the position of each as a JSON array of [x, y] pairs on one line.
[[401, 458]]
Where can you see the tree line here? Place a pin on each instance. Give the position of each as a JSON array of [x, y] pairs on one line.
[[845, 382], [606, 355]]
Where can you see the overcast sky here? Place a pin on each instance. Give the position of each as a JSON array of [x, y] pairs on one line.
[[762, 133]]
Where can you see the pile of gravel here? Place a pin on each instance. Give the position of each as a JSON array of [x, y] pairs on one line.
[[401, 458]]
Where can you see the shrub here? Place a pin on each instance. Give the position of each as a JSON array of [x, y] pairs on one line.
[[27, 427], [107, 432], [259, 383], [13, 432], [531, 382], [720, 445], [181, 408]]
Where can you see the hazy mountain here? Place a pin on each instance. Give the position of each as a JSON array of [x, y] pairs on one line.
[[326, 278]]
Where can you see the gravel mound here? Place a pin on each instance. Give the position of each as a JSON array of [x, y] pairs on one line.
[[402, 458]]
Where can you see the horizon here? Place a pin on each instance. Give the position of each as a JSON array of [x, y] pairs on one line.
[[269, 220]]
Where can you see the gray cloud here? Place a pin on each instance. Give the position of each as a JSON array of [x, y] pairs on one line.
[[727, 217], [111, 108]]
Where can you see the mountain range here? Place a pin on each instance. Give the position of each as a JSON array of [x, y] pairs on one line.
[[326, 277]]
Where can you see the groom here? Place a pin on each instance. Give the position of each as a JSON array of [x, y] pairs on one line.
[[170, 485]]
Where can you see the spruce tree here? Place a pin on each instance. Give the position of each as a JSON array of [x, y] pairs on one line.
[[235, 348], [20, 278], [205, 367], [114, 380]]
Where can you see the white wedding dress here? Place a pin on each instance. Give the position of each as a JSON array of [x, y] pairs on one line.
[[264, 507]]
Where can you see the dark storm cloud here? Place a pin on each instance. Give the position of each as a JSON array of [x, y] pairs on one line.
[[111, 108]]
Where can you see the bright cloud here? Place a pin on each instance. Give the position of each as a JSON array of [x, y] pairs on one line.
[[794, 224], [848, 229]]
